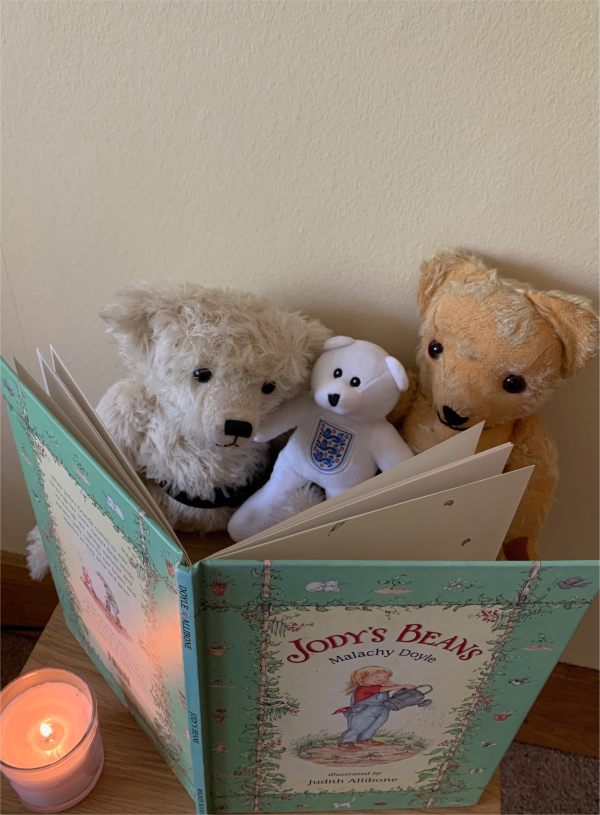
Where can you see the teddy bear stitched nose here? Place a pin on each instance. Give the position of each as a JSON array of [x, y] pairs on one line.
[[334, 398], [452, 417], [235, 428]]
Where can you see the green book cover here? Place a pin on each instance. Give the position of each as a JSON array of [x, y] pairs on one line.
[[374, 685], [279, 685]]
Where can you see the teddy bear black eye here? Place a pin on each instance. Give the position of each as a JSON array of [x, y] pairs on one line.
[[435, 349], [514, 384], [355, 382], [202, 374], [268, 387], [337, 373]]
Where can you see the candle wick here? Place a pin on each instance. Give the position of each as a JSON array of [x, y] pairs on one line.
[[47, 733]]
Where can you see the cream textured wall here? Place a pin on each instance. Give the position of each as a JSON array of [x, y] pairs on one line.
[[317, 151]]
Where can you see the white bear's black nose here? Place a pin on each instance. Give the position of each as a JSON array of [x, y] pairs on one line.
[[235, 428], [334, 398], [452, 417]]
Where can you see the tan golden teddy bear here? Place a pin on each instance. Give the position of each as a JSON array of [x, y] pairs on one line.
[[492, 349]]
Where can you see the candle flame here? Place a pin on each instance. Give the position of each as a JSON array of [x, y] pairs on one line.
[[46, 730]]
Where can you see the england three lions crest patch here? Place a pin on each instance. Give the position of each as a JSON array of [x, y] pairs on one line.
[[329, 446]]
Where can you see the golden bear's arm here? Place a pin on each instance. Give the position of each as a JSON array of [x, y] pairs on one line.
[[405, 402], [533, 444]]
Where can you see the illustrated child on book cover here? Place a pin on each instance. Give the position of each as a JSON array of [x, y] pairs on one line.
[[370, 705]]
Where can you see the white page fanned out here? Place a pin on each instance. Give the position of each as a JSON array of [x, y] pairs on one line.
[[75, 422], [83, 414], [474, 468], [453, 449], [464, 523], [116, 465]]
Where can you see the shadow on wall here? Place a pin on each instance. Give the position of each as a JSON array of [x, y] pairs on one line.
[[379, 323], [538, 277], [354, 313], [370, 324]]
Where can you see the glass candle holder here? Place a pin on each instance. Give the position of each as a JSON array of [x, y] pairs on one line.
[[50, 744]]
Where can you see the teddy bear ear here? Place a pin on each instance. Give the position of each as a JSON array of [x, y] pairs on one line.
[[396, 368], [129, 319], [575, 323], [337, 342], [445, 265], [316, 337]]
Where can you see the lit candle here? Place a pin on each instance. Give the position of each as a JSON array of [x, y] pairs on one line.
[[51, 749]]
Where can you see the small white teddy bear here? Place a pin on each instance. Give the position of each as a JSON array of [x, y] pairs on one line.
[[342, 436]]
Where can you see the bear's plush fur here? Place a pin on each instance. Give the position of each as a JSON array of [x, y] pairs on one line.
[[493, 349], [205, 368]]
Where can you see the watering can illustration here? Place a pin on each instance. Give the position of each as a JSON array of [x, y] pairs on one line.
[[409, 697]]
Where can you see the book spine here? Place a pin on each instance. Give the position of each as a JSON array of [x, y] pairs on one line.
[[188, 586]]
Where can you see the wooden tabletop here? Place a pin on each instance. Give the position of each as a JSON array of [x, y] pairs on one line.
[[135, 778]]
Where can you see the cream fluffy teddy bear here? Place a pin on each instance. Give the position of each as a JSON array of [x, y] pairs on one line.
[[206, 366], [342, 436], [494, 350]]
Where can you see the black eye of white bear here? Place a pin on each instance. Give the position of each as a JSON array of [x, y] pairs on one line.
[[355, 382], [202, 374], [337, 373], [514, 384], [435, 349], [268, 387]]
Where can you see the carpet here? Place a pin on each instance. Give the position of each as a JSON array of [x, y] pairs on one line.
[[539, 780], [534, 779], [14, 652]]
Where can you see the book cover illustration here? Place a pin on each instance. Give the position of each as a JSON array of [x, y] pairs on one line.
[[374, 686], [114, 571]]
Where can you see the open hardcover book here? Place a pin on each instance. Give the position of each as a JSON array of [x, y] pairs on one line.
[[369, 653]]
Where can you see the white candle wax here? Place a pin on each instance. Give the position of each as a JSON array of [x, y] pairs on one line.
[[43, 724], [51, 750]]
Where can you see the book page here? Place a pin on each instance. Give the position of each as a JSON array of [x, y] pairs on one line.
[[61, 397], [453, 449], [65, 392], [474, 468], [468, 522]]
